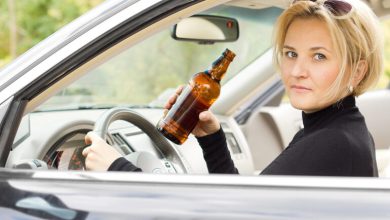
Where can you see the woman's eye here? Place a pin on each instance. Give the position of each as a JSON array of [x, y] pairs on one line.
[[291, 54], [319, 56]]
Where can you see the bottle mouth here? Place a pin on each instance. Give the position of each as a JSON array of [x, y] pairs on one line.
[[229, 54]]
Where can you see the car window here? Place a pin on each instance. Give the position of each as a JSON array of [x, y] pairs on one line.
[[141, 73]]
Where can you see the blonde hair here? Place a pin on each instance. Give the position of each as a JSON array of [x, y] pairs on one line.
[[356, 36]]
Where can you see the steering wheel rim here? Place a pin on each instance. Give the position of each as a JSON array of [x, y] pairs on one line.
[[160, 143]]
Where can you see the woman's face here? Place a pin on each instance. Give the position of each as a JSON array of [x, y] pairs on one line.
[[309, 64]]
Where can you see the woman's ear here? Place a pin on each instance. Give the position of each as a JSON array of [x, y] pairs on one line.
[[360, 72]]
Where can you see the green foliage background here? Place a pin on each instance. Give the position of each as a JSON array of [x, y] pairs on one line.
[[36, 20]]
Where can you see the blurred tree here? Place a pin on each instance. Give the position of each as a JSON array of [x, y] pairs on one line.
[[23, 23], [12, 27]]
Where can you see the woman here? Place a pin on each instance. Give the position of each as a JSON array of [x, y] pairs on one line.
[[327, 52]]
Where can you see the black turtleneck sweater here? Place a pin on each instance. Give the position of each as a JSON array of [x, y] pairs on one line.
[[334, 142]]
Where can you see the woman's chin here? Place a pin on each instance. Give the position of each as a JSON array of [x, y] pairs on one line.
[[301, 103]]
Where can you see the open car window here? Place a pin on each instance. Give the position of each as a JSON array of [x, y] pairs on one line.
[[144, 74]]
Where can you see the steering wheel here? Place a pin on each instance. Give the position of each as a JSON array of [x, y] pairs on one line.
[[168, 161]]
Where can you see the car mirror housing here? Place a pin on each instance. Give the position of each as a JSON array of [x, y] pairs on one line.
[[206, 29]]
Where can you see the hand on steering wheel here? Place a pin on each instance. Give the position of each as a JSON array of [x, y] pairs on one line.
[[99, 155]]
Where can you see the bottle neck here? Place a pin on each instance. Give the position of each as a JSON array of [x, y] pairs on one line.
[[218, 70]]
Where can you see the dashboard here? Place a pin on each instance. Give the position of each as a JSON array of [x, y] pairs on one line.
[[56, 139]]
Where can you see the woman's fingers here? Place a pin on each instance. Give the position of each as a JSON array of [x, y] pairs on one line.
[[165, 112], [86, 151], [99, 155], [172, 99], [207, 116], [208, 124], [179, 89], [91, 137]]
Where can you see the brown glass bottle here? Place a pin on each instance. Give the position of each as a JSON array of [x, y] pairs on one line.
[[200, 93]]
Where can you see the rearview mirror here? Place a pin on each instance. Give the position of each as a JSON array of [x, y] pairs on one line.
[[206, 29]]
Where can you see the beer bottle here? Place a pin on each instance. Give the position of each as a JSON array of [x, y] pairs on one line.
[[199, 94]]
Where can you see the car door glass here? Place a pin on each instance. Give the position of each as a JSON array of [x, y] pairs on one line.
[[141, 73]]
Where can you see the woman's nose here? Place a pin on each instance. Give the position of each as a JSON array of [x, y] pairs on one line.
[[299, 68]]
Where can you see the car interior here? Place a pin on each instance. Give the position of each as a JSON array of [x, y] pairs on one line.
[[136, 76]]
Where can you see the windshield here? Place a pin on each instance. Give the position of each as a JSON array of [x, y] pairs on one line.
[[146, 73]]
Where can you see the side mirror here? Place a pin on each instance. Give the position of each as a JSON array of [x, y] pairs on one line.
[[206, 29]]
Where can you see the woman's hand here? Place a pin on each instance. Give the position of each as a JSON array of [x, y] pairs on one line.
[[99, 155], [207, 124]]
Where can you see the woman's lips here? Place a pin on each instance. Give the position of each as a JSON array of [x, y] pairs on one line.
[[299, 88]]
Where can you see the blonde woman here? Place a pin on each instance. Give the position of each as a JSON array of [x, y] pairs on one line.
[[327, 52]]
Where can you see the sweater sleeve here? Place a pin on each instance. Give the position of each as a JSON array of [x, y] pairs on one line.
[[121, 164], [216, 153]]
